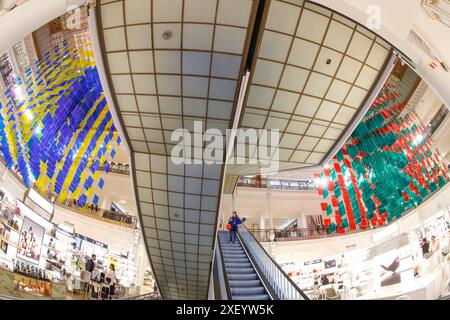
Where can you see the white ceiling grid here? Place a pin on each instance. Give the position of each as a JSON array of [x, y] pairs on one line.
[[313, 71], [164, 84], [173, 62]]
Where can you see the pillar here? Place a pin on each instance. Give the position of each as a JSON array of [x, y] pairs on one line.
[[106, 203], [270, 216], [262, 226], [262, 220], [233, 201]]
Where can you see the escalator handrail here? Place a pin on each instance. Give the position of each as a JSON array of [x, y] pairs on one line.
[[277, 265]]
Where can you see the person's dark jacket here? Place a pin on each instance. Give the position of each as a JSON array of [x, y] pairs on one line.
[[90, 264], [234, 222], [425, 248]]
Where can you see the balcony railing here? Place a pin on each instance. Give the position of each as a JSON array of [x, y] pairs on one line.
[[120, 168], [297, 234], [305, 185], [437, 120], [109, 216]]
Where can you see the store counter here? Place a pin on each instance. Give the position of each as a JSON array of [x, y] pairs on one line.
[[423, 288], [24, 287]]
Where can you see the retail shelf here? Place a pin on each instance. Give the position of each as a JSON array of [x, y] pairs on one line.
[[10, 243]]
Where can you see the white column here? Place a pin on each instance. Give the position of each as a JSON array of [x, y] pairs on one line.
[[262, 220], [233, 201], [270, 215], [106, 203], [262, 225], [269, 209]]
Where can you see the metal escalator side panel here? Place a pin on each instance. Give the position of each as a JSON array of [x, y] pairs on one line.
[[279, 284], [222, 291]]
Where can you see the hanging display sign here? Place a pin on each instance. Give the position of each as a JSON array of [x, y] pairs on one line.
[[307, 263], [97, 243]]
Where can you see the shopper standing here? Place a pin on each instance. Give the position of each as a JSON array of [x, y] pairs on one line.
[[111, 275], [234, 222], [90, 264], [425, 248], [434, 245]]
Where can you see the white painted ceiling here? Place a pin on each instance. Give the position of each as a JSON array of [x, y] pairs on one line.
[[313, 71], [173, 62], [161, 85]]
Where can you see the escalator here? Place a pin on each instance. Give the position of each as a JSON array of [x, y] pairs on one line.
[[243, 280], [245, 271]]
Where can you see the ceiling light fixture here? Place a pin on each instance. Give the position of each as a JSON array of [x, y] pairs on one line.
[[167, 35]]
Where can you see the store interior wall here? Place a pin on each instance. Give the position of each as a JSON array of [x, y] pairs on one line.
[[300, 251], [428, 106], [426, 109], [10, 183], [118, 238]]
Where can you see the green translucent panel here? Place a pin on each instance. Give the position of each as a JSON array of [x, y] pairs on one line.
[[329, 209], [384, 150], [345, 223]]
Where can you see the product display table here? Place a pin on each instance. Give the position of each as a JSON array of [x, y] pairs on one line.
[[98, 287]]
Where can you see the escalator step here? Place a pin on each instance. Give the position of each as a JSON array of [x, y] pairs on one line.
[[236, 260], [232, 253], [235, 256], [243, 277], [251, 297], [238, 265], [240, 270], [248, 291], [244, 283]]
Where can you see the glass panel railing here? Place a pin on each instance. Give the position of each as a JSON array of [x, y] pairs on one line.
[[437, 120], [277, 279], [300, 185]]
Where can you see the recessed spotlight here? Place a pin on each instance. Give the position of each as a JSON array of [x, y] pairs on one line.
[[167, 35], [328, 61]]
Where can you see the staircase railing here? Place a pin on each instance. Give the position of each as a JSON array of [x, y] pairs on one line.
[[278, 280]]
